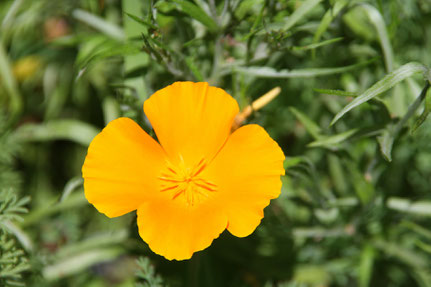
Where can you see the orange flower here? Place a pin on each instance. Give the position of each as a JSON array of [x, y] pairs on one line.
[[197, 182]]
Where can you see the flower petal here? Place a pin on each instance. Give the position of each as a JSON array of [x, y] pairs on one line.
[[176, 231], [121, 168], [247, 172], [192, 120]]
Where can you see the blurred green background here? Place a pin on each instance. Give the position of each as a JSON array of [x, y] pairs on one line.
[[355, 206]]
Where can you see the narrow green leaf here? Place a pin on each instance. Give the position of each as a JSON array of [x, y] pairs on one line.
[[331, 141], [425, 113], [337, 173], [386, 141], [66, 129], [111, 109], [194, 69], [109, 52], [267, 72], [7, 80], [407, 256], [197, 13], [363, 188], [292, 161], [70, 186], [79, 262], [326, 21], [99, 24], [336, 93], [309, 125], [387, 138], [377, 20], [417, 228], [424, 246], [96, 241], [366, 265], [422, 208], [382, 86], [299, 14], [317, 45], [74, 200], [140, 21]]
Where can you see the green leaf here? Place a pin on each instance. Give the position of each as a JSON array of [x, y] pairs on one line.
[[425, 113], [108, 52], [422, 208], [336, 93], [407, 256], [99, 24], [309, 125], [377, 20], [140, 21], [317, 45], [299, 14], [292, 161], [197, 13], [8, 82], [267, 72], [386, 141], [66, 129], [363, 188], [326, 21], [366, 265], [333, 140], [388, 136], [79, 262], [382, 86], [194, 69]]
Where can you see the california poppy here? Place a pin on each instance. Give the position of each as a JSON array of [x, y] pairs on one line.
[[196, 181]]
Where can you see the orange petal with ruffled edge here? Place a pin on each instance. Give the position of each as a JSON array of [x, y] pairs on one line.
[[121, 168], [191, 120], [176, 231], [247, 172]]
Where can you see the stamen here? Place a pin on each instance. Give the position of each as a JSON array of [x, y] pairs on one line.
[[169, 188], [183, 180], [205, 187]]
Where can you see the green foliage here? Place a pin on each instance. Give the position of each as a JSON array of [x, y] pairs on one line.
[[352, 119], [147, 275], [13, 261]]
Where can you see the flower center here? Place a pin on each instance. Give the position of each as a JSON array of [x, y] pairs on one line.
[[186, 182]]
